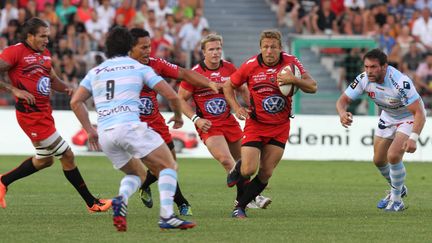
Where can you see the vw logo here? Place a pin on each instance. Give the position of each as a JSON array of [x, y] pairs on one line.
[[273, 104], [44, 86], [216, 106], [146, 106]]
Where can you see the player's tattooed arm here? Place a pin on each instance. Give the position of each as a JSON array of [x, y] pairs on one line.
[[4, 81], [5, 84]]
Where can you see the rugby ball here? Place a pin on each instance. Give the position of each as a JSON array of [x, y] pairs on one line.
[[289, 89]]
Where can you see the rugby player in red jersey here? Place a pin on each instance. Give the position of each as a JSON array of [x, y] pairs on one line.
[[28, 64], [150, 109], [216, 126], [268, 117]]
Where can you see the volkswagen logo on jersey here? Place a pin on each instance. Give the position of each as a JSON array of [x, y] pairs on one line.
[[273, 104], [216, 106], [44, 86], [146, 106]]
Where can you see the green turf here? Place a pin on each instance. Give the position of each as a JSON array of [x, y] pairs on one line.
[[312, 202]]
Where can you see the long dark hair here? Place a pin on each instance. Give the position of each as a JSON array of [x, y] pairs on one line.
[[32, 26], [118, 42]]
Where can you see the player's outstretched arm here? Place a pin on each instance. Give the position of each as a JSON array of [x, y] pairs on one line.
[[240, 112], [418, 112], [79, 108], [345, 117], [197, 79], [201, 123], [164, 89], [58, 85]]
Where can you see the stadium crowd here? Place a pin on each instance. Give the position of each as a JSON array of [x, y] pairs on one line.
[[78, 30], [402, 29]]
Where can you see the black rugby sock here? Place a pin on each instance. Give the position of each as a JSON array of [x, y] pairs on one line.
[[75, 178], [150, 179], [25, 169], [253, 189], [179, 199]]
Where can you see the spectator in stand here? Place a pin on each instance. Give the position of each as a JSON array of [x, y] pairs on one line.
[[6, 14], [106, 12], [151, 23], [141, 16], [395, 8], [22, 16], [30, 9], [152, 4], [41, 4], [423, 80], [171, 27], [422, 4], [118, 21], [355, 5], [189, 36], [338, 7], [160, 46], [380, 13], [422, 29], [96, 30], [128, 11], [412, 60], [84, 11], [394, 27], [66, 11], [395, 57], [404, 39], [408, 11], [183, 11], [352, 24], [285, 7], [301, 14], [203, 23], [69, 69], [385, 41], [49, 14], [324, 20], [11, 33], [369, 22], [161, 11]]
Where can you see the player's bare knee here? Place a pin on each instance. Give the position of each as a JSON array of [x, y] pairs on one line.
[[394, 157], [226, 162]]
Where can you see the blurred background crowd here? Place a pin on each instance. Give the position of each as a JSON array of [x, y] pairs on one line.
[[402, 28]]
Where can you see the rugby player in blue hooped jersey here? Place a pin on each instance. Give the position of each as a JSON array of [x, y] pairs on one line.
[[115, 86], [400, 124]]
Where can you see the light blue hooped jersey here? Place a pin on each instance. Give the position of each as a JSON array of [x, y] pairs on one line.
[[116, 85], [393, 96]]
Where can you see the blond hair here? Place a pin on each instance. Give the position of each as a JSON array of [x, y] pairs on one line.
[[271, 34], [210, 38]]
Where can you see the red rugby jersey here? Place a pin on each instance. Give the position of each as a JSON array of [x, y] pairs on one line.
[[150, 109], [31, 72], [268, 104], [209, 105]]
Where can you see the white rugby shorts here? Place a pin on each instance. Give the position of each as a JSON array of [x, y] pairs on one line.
[[125, 141], [388, 128]]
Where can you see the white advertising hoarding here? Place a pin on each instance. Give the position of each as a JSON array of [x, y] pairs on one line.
[[311, 138]]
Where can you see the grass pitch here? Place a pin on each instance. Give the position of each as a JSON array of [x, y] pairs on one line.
[[312, 202]]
